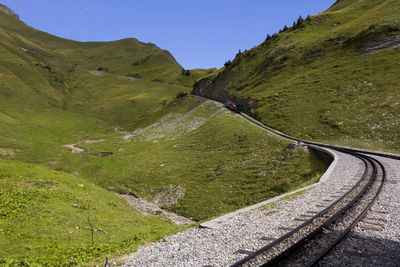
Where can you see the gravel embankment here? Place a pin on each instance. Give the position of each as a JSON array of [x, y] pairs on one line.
[[147, 208], [376, 239], [217, 247]]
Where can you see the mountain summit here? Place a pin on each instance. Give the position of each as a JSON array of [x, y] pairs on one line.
[[122, 81], [8, 11]]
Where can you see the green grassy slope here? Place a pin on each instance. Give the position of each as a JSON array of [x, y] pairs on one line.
[[44, 219], [319, 82], [39, 69], [199, 146], [56, 92]]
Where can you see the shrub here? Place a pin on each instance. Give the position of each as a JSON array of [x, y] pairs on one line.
[[300, 22], [181, 94], [228, 63]]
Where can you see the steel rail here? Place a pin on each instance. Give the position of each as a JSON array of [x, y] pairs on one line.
[[297, 247], [353, 151], [318, 228], [303, 225], [319, 257]]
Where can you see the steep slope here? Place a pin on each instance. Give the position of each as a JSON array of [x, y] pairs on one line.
[[332, 77], [44, 219], [39, 69], [113, 115]]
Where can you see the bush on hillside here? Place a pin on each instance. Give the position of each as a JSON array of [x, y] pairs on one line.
[[228, 63], [181, 94]]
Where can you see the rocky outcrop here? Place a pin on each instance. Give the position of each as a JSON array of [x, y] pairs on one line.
[[8, 11], [217, 88], [149, 45], [380, 43], [374, 39]]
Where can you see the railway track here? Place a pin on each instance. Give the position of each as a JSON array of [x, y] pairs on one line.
[[308, 243]]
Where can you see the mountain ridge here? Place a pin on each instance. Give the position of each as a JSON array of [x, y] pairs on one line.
[[47, 70], [8, 11], [317, 79]]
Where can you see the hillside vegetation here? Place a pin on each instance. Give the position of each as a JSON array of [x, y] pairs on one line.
[[198, 146], [122, 82], [333, 77], [114, 116], [44, 219]]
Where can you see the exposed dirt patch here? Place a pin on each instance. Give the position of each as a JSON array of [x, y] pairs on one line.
[[169, 196], [147, 208], [74, 149], [125, 78], [96, 73], [104, 154], [92, 141], [7, 152]]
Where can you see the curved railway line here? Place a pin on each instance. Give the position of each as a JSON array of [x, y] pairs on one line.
[[308, 243], [328, 225]]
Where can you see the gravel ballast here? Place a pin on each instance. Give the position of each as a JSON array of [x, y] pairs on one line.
[[245, 230], [375, 241]]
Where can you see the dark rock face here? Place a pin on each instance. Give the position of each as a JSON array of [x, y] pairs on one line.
[[8, 11], [380, 43], [215, 88]]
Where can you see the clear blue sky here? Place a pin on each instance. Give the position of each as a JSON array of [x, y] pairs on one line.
[[200, 34]]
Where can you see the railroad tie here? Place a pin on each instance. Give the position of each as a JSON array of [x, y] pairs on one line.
[[375, 219], [243, 251], [373, 223], [286, 228], [370, 228], [301, 219], [266, 238], [380, 211], [313, 212]]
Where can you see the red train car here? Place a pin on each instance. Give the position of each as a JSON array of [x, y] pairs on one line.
[[235, 107]]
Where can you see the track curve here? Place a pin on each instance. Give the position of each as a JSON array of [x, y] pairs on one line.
[[364, 198]]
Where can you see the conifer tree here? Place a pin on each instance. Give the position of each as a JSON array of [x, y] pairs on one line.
[[300, 22]]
